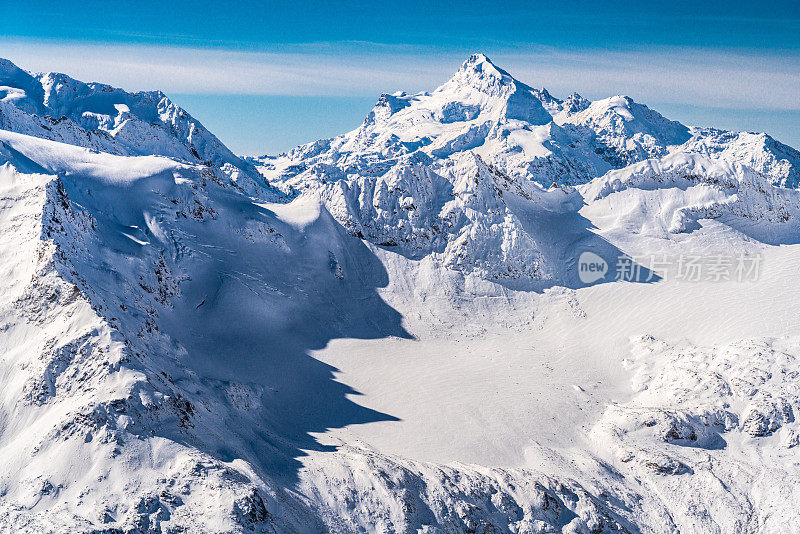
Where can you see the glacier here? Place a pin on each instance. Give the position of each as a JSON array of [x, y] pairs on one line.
[[386, 331]]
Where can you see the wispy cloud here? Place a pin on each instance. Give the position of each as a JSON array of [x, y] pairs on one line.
[[703, 77], [311, 70]]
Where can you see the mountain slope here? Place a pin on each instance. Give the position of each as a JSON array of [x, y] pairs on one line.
[[152, 410], [399, 180], [407, 345], [100, 117]]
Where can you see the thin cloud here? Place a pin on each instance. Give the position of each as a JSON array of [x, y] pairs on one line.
[[713, 78]]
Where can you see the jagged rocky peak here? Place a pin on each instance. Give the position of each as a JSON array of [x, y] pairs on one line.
[[575, 103], [387, 105], [622, 116], [479, 85], [479, 73], [478, 90]]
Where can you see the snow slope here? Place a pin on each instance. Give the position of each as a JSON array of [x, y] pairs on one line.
[[103, 118], [407, 345], [173, 386]]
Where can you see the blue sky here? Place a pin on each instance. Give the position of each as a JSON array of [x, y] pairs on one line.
[[266, 76]]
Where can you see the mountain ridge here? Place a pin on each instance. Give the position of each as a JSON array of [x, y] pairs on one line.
[[392, 334], [101, 117], [523, 131]]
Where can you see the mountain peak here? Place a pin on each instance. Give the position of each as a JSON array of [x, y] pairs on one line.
[[481, 65], [7, 65], [9, 71], [475, 59], [478, 72]]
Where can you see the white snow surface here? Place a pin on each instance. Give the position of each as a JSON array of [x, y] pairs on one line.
[[406, 345], [107, 119]]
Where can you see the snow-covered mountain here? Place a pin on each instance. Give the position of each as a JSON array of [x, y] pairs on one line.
[[439, 173], [392, 335], [524, 132], [103, 118]]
